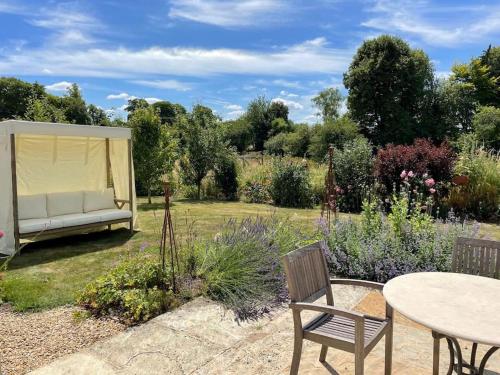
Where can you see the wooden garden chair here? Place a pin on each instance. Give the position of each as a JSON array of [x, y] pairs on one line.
[[476, 257], [308, 279], [473, 257]]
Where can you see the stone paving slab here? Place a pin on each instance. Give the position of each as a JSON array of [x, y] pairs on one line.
[[202, 337]]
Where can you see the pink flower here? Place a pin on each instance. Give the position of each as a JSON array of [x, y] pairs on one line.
[[432, 190], [411, 174], [403, 174], [2, 234], [430, 182]]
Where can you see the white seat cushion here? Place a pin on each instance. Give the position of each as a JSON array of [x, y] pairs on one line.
[[98, 200], [64, 203], [38, 225], [113, 214], [32, 206], [72, 220]]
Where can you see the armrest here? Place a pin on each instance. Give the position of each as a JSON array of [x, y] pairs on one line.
[[327, 309], [122, 200], [364, 283]]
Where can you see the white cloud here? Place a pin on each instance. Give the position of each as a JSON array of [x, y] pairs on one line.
[[59, 86], [312, 56], [293, 105], [229, 13], [9, 7], [435, 24], [233, 107], [288, 94], [234, 114], [152, 100], [123, 96], [169, 84]]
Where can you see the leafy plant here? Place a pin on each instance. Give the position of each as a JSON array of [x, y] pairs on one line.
[[136, 290], [226, 176], [290, 184]]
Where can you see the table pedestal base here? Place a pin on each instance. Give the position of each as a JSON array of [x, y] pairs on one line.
[[457, 362]]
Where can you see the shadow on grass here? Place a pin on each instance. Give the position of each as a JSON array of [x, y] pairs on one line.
[[46, 251], [159, 205]]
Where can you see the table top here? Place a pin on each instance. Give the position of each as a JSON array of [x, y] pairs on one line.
[[453, 304]]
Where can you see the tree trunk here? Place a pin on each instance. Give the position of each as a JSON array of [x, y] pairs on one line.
[[199, 190], [149, 195]]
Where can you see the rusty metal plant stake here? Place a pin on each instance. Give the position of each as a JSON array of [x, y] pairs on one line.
[[168, 226], [330, 199]]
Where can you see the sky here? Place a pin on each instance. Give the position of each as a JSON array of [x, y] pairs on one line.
[[224, 53]]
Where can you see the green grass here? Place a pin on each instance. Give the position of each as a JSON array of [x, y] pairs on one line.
[[50, 273]]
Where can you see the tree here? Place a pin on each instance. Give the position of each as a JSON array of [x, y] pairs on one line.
[[238, 133], [458, 105], [335, 133], [258, 117], [278, 110], [328, 103], [169, 112], [486, 125], [15, 97], [387, 81], [135, 104], [154, 149], [280, 125], [74, 107], [97, 116], [203, 146], [43, 111]]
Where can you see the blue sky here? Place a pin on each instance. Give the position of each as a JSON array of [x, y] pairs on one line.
[[224, 53]]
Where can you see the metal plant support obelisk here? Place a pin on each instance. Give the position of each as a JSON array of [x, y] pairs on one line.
[[168, 226], [330, 199]]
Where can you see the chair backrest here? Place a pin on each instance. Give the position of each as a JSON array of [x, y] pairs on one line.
[[307, 274], [476, 257]]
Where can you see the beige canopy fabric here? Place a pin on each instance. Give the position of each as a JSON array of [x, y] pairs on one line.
[[60, 158]]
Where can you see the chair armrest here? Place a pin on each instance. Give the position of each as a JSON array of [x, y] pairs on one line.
[[364, 283], [122, 200], [327, 309]]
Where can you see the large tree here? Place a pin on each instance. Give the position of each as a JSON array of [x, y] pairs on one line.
[[154, 149], [387, 83], [74, 107], [16, 96], [258, 117], [328, 102]]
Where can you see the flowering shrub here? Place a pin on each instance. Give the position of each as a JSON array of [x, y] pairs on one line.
[[380, 247], [241, 267], [418, 159], [291, 185]]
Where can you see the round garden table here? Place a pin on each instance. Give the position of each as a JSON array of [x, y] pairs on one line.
[[454, 306]]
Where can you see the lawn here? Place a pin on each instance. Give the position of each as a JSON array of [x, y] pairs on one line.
[[50, 273]]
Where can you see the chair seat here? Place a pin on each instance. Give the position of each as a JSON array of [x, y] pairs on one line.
[[340, 329]]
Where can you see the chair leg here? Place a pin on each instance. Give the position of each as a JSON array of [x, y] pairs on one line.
[[359, 364], [131, 226], [297, 352], [388, 350], [322, 355]]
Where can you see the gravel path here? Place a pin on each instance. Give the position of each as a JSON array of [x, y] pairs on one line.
[[31, 340]]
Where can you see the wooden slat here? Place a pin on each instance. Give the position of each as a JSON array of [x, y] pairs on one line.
[[477, 257]]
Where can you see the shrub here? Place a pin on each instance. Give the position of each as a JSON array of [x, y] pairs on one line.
[[226, 176], [335, 132], [290, 184], [420, 158], [277, 144], [255, 181], [353, 168], [242, 267], [480, 196], [136, 290], [381, 247], [486, 125]]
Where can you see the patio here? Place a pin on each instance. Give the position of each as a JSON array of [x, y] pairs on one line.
[[201, 338]]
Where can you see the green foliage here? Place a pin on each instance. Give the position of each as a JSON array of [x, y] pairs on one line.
[[480, 197], [486, 125], [290, 184], [278, 110], [154, 148], [328, 103], [74, 107], [335, 133], [204, 146], [42, 110], [293, 141], [242, 266], [136, 291], [279, 125], [226, 176], [16, 96], [276, 145], [238, 133], [387, 83], [169, 113], [255, 181], [97, 116], [353, 167], [257, 116], [380, 247]]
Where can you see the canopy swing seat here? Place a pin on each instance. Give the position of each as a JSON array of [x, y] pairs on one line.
[[60, 179]]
